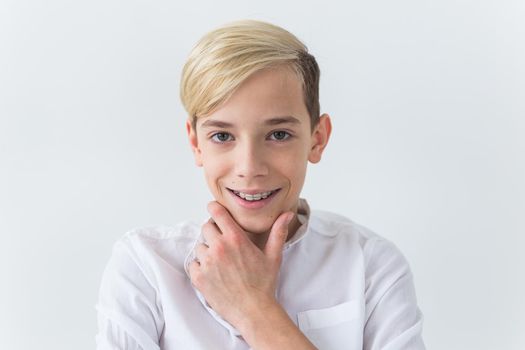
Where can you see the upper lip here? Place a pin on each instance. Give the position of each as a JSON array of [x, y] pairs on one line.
[[251, 191]]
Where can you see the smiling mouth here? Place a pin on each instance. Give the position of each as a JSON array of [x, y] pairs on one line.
[[253, 197]]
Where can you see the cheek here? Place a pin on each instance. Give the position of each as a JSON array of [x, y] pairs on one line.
[[297, 177], [213, 171], [294, 169]]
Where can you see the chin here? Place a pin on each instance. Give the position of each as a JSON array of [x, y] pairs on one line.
[[254, 221], [255, 225]]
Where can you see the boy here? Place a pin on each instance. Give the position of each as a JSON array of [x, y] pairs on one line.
[[264, 272]]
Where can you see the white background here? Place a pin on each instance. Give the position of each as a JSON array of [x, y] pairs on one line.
[[428, 105]]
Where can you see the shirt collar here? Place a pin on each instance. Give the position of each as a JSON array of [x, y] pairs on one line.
[[303, 215]]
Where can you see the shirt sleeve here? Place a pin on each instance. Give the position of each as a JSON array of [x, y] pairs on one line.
[[129, 316], [393, 320], [112, 337]]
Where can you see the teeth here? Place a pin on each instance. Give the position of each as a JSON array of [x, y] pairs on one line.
[[253, 197]]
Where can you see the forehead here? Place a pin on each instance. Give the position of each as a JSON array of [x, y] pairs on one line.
[[266, 96]]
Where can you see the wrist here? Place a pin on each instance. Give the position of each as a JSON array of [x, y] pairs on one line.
[[270, 327], [258, 313]]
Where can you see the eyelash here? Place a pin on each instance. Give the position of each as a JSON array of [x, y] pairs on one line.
[[214, 136]]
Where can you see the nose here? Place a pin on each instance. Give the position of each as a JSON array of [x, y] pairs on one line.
[[251, 160]]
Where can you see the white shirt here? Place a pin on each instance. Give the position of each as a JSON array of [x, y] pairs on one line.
[[344, 286]]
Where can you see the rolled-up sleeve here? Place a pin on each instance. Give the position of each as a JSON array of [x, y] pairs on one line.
[[393, 318]]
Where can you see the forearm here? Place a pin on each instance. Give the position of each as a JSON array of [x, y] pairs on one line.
[[270, 328]]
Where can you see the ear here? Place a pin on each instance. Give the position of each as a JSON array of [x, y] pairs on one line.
[[320, 137], [194, 143]]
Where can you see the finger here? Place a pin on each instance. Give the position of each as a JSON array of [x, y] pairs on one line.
[[193, 270], [223, 219], [278, 234], [201, 250], [210, 232]]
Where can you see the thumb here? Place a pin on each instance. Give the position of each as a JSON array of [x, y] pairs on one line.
[[278, 234]]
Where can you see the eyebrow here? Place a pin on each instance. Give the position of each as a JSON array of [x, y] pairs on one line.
[[282, 120], [212, 123]]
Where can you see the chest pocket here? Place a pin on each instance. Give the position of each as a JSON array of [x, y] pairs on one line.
[[336, 327]]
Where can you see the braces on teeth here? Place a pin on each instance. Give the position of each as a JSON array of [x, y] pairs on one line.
[[253, 197]]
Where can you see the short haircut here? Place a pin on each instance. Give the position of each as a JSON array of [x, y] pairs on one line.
[[225, 57]]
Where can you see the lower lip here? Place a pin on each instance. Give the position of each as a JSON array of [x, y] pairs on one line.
[[253, 204]]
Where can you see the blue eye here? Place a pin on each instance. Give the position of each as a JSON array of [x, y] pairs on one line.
[[280, 135], [221, 137]]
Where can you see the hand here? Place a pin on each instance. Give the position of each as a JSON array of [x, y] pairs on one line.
[[236, 277]]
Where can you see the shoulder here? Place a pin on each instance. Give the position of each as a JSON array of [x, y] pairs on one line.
[[337, 226], [376, 249], [156, 234], [145, 251], [141, 262], [157, 239]]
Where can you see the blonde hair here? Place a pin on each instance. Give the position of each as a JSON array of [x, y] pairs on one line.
[[225, 57]]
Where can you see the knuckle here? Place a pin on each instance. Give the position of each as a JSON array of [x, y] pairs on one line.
[[218, 249], [236, 239], [197, 279], [208, 226], [201, 255], [219, 214], [207, 259]]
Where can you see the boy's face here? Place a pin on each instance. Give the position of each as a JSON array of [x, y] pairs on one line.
[[255, 148]]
